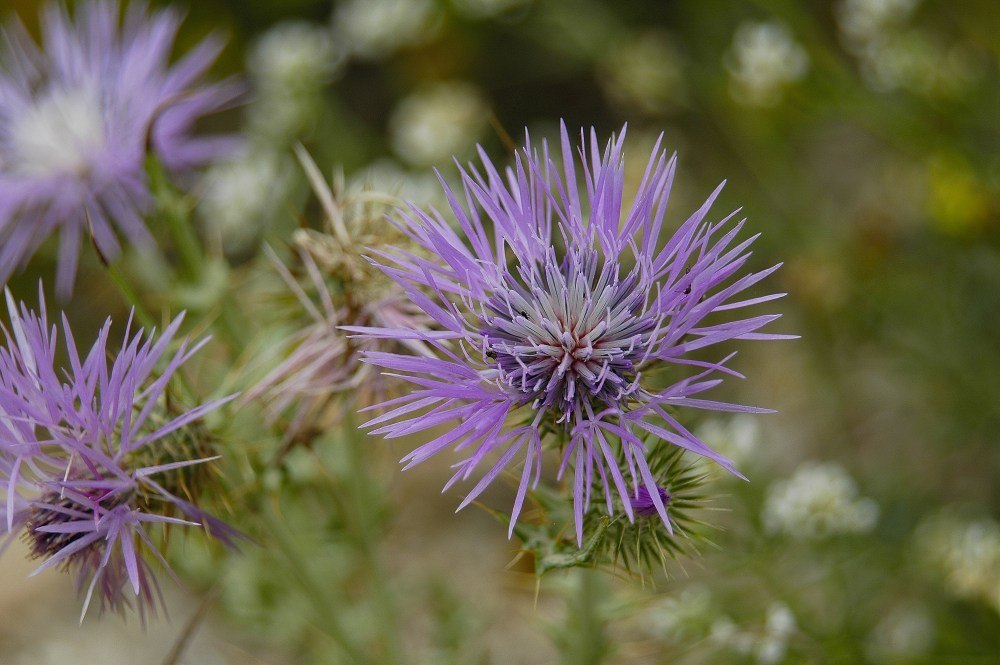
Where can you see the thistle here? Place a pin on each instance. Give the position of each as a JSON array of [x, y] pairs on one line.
[[335, 285], [565, 321], [80, 116], [93, 455]]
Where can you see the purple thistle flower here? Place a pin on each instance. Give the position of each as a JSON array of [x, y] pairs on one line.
[[92, 455], [78, 119], [554, 317]]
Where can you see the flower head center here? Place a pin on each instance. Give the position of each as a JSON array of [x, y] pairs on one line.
[[53, 520], [58, 135], [568, 333]]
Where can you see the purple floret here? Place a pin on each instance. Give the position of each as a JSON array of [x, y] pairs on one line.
[[553, 307], [80, 115], [643, 504]]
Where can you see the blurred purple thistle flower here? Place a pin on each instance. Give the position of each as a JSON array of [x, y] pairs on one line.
[[78, 119], [84, 460], [554, 318]]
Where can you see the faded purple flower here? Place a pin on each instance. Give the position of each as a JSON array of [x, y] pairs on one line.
[[336, 285], [566, 319], [93, 455], [78, 118]]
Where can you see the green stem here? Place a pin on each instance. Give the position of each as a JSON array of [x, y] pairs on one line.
[[367, 511], [186, 241], [191, 627], [234, 325], [175, 211], [131, 297], [326, 609], [586, 644]]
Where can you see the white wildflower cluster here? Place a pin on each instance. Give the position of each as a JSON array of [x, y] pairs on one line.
[[294, 55], [906, 633], [763, 60], [768, 645], [863, 21], [289, 66], [819, 500], [242, 194], [386, 175], [377, 28], [966, 553], [738, 438], [487, 8], [439, 121], [919, 62], [894, 55], [692, 616], [681, 617], [644, 72]]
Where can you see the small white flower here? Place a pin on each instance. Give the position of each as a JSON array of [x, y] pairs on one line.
[[916, 61], [966, 553], [738, 437], [242, 194], [293, 56], [279, 120], [290, 66], [768, 645], [906, 633], [819, 500], [770, 650], [862, 21], [725, 633], [374, 28], [487, 8], [764, 58], [773, 644], [780, 620], [644, 72], [432, 125], [680, 617]]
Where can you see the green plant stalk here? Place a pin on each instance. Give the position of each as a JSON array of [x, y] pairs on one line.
[[175, 210], [131, 297], [586, 643], [326, 609], [366, 503]]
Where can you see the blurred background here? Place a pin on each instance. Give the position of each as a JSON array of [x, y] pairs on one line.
[[860, 137]]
